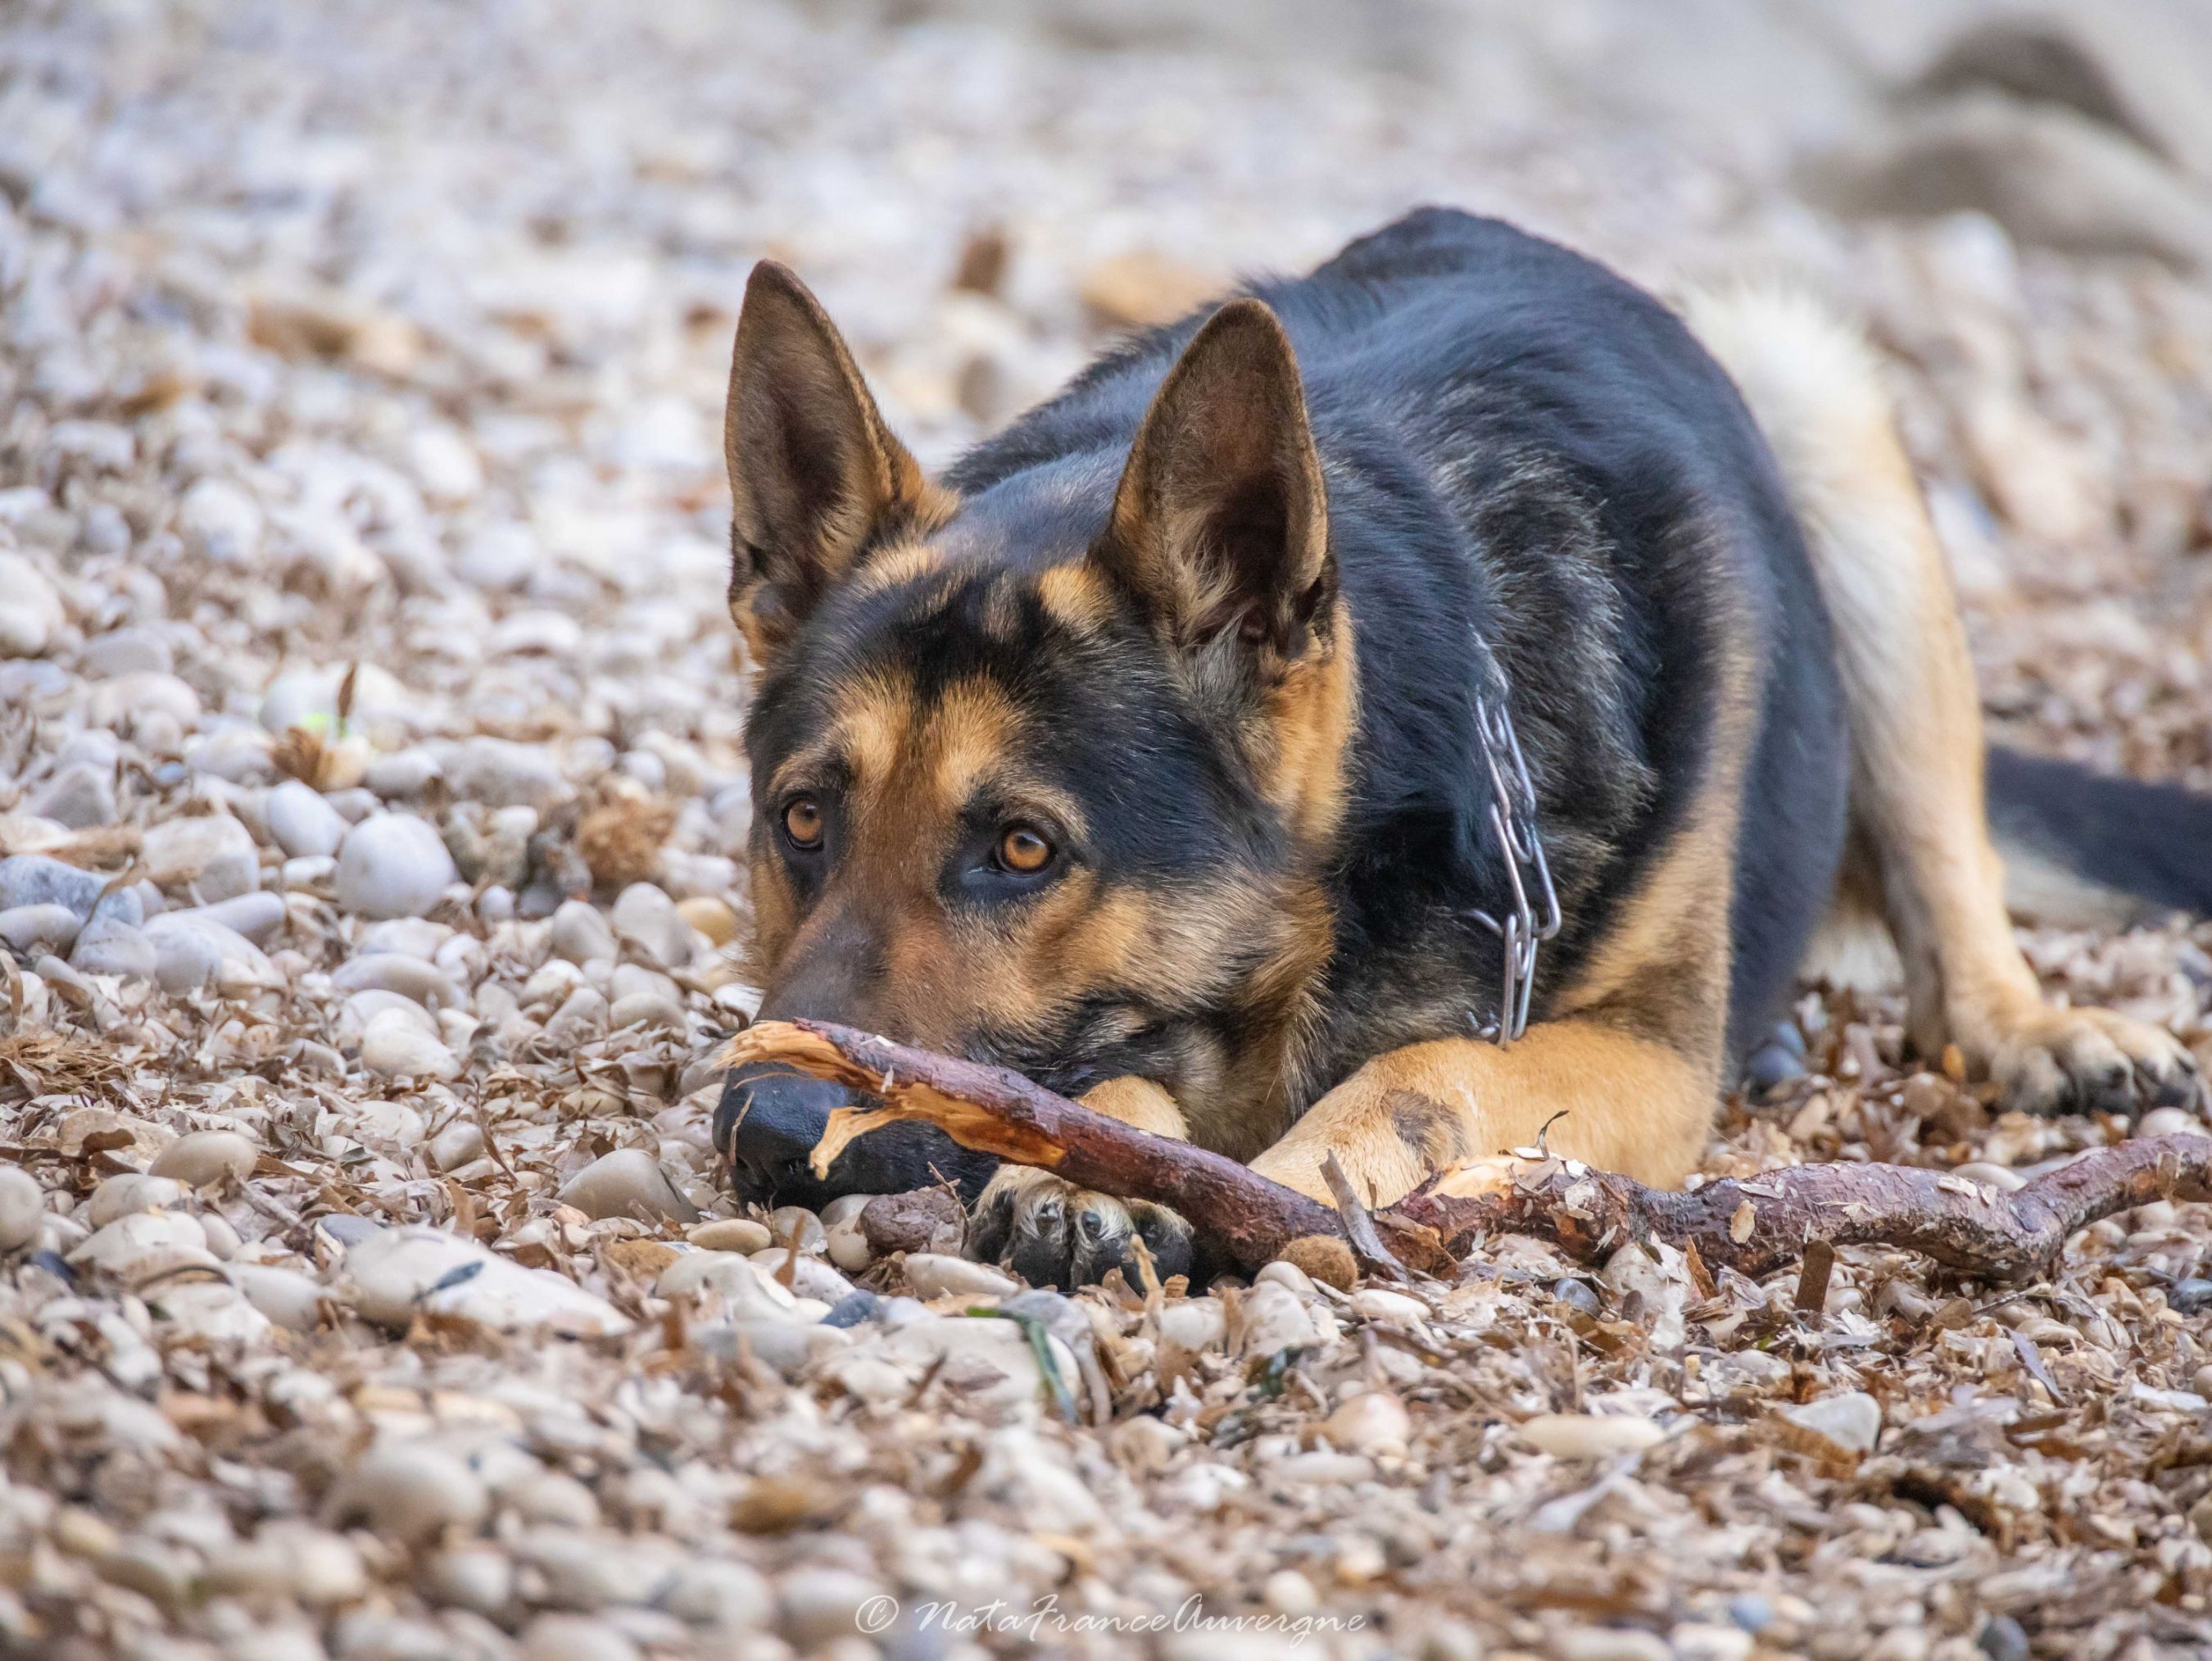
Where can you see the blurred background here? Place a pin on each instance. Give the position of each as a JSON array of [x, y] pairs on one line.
[[399, 330]]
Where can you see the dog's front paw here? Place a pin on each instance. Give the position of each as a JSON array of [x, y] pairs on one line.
[[2077, 1061], [1052, 1233]]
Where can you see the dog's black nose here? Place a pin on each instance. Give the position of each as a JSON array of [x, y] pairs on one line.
[[770, 1118]]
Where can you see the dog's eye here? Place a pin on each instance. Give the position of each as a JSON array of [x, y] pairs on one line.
[[1023, 851], [802, 823]]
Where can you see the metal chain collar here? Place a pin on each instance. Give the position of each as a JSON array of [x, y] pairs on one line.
[[1534, 916]]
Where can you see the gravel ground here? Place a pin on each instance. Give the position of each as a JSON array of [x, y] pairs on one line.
[[369, 779]]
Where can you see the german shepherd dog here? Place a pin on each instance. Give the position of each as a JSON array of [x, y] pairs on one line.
[[1139, 753]]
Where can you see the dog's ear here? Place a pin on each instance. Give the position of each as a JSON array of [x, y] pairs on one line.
[[1220, 520], [815, 476]]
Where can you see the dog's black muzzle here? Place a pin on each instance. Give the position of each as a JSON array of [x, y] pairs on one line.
[[771, 1117]]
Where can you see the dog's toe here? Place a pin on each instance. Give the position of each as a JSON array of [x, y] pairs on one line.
[[2092, 1061], [1053, 1233]]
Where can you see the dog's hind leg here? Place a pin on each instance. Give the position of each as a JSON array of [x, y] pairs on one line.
[[1917, 777]]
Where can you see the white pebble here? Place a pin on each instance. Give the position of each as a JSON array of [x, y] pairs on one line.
[[848, 1247], [303, 824], [822, 1605], [478, 1577], [309, 873], [581, 1017], [1283, 1273], [184, 959], [108, 945], [220, 522], [1388, 1308], [31, 615], [1288, 1593], [289, 1299], [363, 1009], [644, 1009], [393, 865], [644, 914], [127, 651], [810, 1277], [402, 775], [785, 1219], [1611, 1644], [291, 1559], [397, 1273], [580, 934], [393, 1048], [627, 1182], [2171, 1122], [411, 977], [1274, 1319], [1373, 1422], [743, 1288], [1195, 1325], [22, 1207], [1591, 1435], [457, 1144], [1850, 1421], [36, 929], [129, 1192], [195, 943], [939, 1274], [214, 855], [444, 464], [256, 917], [551, 1496], [207, 1156], [411, 1492], [144, 1244], [80, 796], [728, 1597], [740, 1234], [237, 754], [210, 1311]]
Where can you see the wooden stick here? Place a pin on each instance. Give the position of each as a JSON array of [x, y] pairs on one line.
[[1752, 1224], [996, 1111], [1759, 1224], [1359, 1224]]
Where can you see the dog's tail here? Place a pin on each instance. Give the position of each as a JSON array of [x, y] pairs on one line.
[[2079, 848], [2084, 849]]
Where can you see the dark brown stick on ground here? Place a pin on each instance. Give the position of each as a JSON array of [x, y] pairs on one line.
[[1758, 1224], [996, 1111], [1358, 1225], [1753, 1225]]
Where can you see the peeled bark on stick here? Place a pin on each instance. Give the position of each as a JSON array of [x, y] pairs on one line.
[[1752, 1224], [993, 1111]]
